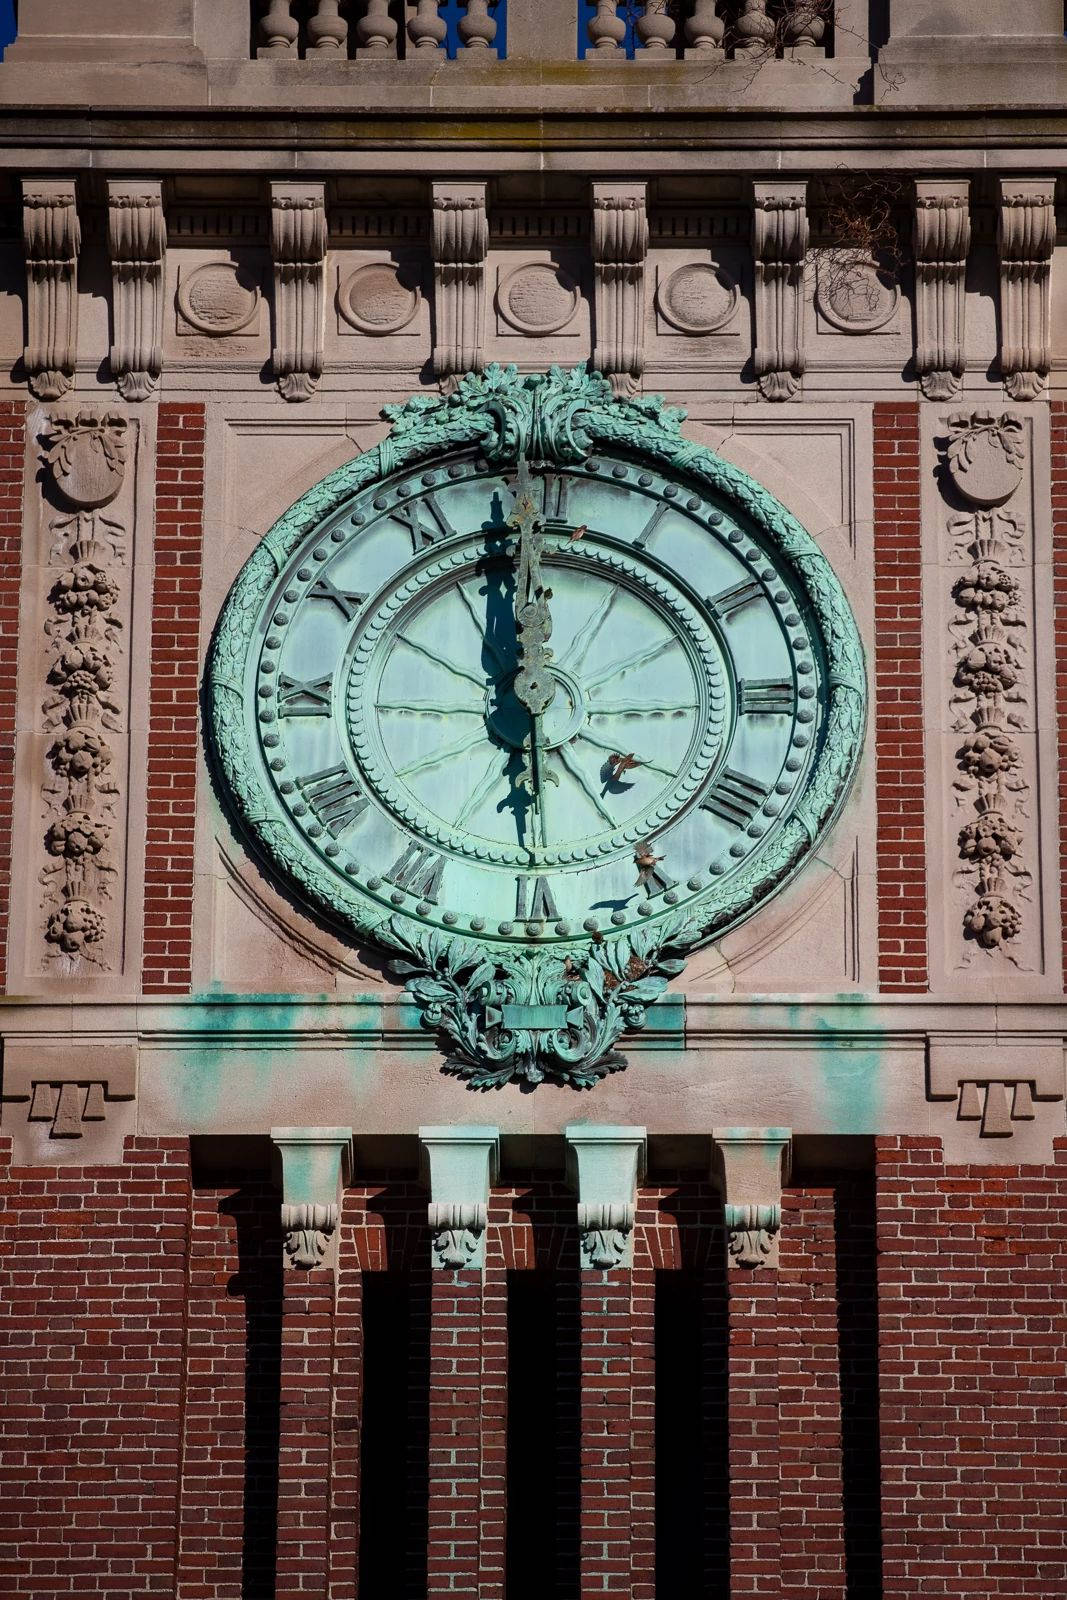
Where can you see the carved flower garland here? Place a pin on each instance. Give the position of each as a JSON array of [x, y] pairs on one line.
[[984, 460], [86, 455]]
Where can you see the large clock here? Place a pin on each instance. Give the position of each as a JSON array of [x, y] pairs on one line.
[[537, 672]]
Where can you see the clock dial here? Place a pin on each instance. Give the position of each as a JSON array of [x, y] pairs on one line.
[[439, 763]]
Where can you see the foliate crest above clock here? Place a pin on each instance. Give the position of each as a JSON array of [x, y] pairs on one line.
[[536, 696]]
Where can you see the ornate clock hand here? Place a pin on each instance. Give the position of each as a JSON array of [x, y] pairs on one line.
[[535, 683]]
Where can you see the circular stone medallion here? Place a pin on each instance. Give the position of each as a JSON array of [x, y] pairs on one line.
[[537, 299], [697, 298], [378, 298], [856, 296], [218, 298]]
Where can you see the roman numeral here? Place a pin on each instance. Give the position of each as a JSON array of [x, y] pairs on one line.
[[555, 499], [422, 534], [335, 797], [299, 699], [652, 524], [772, 696], [734, 797], [543, 907], [345, 601], [418, 871], [731, 600]]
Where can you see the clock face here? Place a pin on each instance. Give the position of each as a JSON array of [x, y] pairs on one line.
[[526, 704]]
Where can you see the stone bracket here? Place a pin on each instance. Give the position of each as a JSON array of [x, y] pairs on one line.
[[620, 245], [1026, 237], [996, 1085], [752, 1164], [605, 1166], [52, 237], [460, 1165], [298, 248], [316, 1164], [460, 244], [942, 241], [137, 243], [69, 1093], [780, 247]]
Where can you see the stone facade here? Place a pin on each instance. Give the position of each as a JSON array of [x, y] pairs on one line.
[[773, 1309]]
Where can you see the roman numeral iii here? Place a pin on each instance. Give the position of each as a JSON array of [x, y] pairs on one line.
[[734, 797]]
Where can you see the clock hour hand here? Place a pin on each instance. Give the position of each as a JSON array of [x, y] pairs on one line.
[[535, 682]]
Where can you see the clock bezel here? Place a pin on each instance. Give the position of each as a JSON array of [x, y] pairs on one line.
[[559, 418]]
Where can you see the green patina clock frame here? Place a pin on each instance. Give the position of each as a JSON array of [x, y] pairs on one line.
[[553, 1005]]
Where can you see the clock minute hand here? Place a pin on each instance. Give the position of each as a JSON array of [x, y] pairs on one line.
[[535, 682]]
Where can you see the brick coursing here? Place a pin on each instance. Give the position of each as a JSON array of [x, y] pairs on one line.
[[1058, 412], [173, 705], [12, 449], [902, 949], [972, 1275], [93, 1298]]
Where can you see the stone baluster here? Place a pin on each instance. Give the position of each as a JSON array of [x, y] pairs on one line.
[[607, 29], [656, 29], [427, 28], [805, 25], [278, 30], [476, 27], [328, 30], [376, 30], [704, 31], [754, 29]]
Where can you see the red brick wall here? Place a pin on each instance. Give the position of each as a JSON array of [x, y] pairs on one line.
[[1058, 411], [92, 1327], [902, 957], [972, 1278], [12, 448], [173, 707]]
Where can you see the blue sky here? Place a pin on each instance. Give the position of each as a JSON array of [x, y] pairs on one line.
[[7, 22]]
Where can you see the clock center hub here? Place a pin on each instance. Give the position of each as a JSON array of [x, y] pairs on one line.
[[510, 721]]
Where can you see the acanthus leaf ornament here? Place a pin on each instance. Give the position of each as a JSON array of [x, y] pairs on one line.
[[137, 242], [298, 248], [780, 247], [52, 238], [1026, 236], [942, 242]]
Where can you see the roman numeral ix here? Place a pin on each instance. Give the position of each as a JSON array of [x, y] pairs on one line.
[[335, 797], [734, 797]]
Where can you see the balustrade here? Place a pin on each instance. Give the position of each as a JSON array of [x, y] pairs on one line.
[[746, 30]]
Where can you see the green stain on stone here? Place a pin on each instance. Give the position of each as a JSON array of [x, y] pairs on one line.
[[849, 1085]]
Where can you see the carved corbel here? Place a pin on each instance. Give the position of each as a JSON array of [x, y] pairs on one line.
[[942, 241], [460, 1165], [620, 245], [79, 1099], [997, 1087], [605, 1165], [137, 241], [298, 248], [316, 1164], [779, 247], [752, 1165], [52, 236], [1026, 236], [460, 242]]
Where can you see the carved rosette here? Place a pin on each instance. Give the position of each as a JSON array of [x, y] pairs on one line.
[[306, 1233], [52, 237], [780, 247], [942, 240], [984, 461], [620, 245], [750, 1233], [86, 456], [460, 243], [1026, 235], [457, 1233], [137, 242], [298, 249]]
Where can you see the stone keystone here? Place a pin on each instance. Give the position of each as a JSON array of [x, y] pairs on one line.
[[752, 1165], [605, 1165], [460, 1165]]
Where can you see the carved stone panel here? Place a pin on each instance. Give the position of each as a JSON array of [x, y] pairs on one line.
[[536, 298], [696, 298], [218, 299], [983, 609], [377, 298]]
